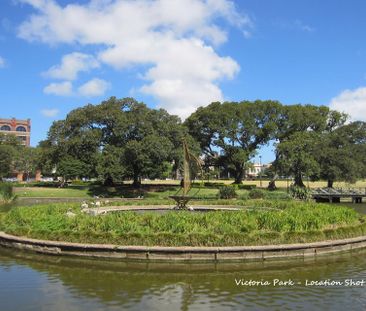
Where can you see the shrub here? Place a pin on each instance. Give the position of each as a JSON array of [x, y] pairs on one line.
[[213, 184], [227, 192], [256, 194], [300, 193], [6, 192], [78, 182]]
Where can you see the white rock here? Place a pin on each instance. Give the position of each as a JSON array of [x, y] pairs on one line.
[[84, 205], [69, 213]]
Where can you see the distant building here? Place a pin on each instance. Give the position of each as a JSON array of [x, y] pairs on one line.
[[22, 130], [19, 128], [257, 169]]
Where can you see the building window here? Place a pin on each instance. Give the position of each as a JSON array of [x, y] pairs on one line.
[[5, 128], [21, 129]]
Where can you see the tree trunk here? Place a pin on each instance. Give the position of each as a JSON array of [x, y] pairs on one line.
[[272, 184], [239, 175], [298, 181], [136, 179], [108, 182], [330, 183]]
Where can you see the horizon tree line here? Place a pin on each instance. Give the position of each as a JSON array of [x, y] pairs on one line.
[[122, 139]]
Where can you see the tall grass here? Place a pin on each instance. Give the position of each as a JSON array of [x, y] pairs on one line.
[[300, 222], [6, 193]]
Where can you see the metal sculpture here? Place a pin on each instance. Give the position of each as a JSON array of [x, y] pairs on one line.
[[182, 197]]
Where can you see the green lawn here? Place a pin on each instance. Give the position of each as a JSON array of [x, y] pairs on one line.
[[45, 192], [161, 193], [279, 183], [206, 193]]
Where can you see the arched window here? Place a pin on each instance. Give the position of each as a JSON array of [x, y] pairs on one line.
[[5, 128], [21, 129]]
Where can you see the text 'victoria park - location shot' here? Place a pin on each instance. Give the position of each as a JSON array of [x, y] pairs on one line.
[[182, 155]]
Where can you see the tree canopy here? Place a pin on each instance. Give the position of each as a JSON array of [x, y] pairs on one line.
[[122, 139], [234, 131], [117, 139]]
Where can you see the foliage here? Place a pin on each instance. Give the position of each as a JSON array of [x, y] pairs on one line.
[[227, 192], [6, 158], [300, 222], [118, 139], [236, 130], [121, 139], [300, 193], [295, 120], [70, 168], [6, 193], [342, 153], [26, 160], [213, 184], [110, 168], [296, 156], [256, 194]]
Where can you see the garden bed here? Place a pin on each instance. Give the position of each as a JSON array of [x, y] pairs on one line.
[[292, 222]]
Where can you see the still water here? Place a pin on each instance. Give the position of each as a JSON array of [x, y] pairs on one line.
[[37, 282]]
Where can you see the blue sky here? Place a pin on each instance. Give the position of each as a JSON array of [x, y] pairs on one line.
[[179, 54]]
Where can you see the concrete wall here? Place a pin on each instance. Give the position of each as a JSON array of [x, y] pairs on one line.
[[156, 253]]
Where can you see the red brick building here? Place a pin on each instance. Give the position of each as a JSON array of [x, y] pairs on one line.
[[19, 128], [22, 130]]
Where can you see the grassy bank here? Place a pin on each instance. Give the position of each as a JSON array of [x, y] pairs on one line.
[[296, 222], [153, 192], [44, 192]]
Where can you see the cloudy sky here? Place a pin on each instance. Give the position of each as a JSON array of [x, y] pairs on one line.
[[56, 55]]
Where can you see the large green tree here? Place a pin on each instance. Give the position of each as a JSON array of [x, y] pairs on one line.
[[26, 160], [6, 157], [296, 156], [234, 131], [9, 145], [297, 119], [71, 168], [341, 153], [117, 139]]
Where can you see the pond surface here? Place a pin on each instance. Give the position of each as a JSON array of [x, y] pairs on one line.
[[36, 282]]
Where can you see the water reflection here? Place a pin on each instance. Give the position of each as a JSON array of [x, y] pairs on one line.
[[35, 282]]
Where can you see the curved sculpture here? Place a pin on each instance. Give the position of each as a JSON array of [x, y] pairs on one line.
[[182, 197]]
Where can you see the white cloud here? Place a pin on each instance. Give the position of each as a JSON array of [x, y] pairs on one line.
[[352, 102], [71, 65], [175, 39], [94, 87], [50, 112], [304, 27], [185, 102], [60, 89], [2, 62]]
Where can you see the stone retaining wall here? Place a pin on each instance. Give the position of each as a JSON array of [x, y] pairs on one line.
[[237, 253]]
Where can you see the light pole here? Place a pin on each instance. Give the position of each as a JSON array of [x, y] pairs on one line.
[[260, 171]]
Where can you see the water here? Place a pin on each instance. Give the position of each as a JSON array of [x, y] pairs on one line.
[[36, 282]]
